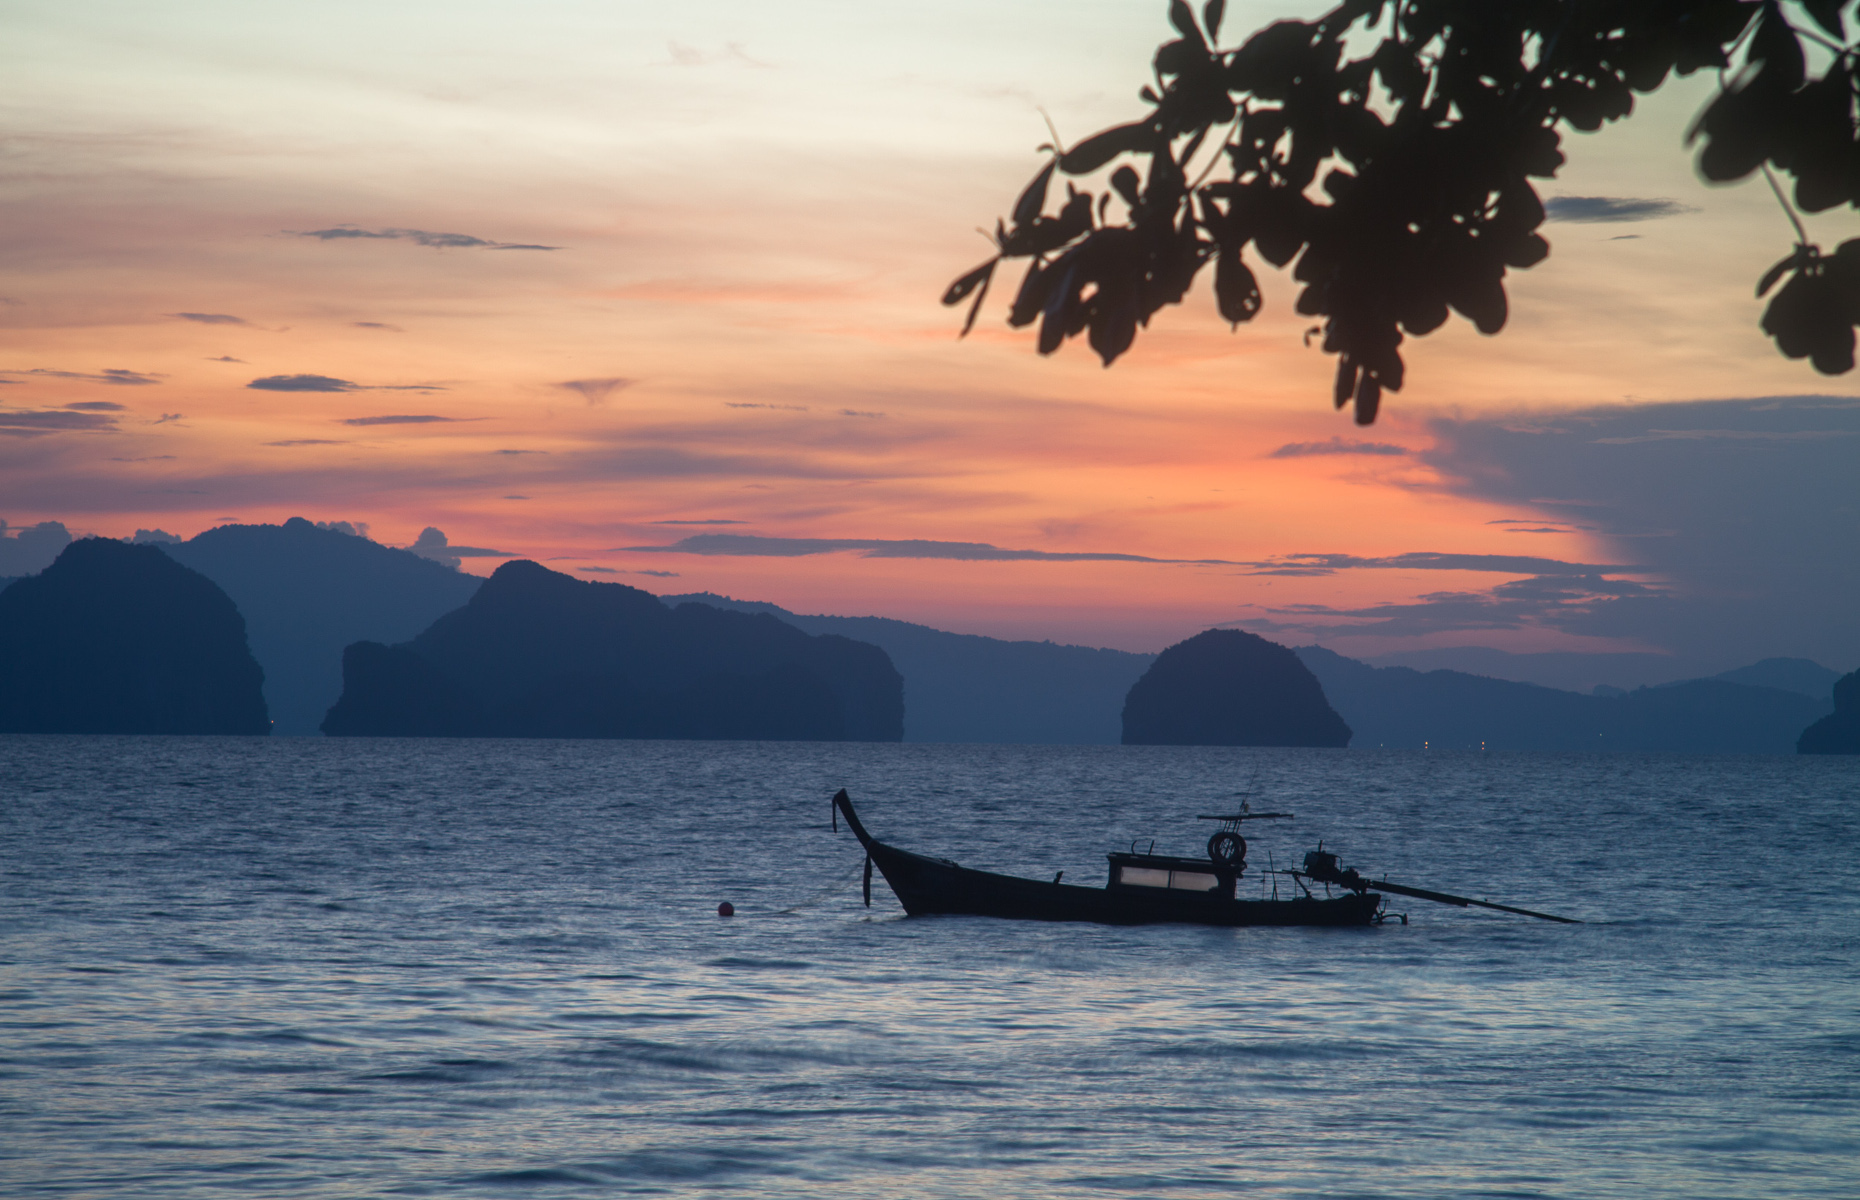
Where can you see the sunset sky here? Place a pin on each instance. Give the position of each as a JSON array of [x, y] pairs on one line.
[[648, 293]]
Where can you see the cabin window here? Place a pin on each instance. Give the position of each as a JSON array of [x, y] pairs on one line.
[[1186, 881]]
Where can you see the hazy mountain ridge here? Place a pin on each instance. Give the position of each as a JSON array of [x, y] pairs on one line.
[[536, 653], [1801, 675], [1604, 674], [961, 687], [1451, 710], [306, 593]]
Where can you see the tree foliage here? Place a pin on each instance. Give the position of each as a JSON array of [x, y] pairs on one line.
[[1386, 151]]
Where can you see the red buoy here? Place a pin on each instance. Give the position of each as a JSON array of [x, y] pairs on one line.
[[726, 909]]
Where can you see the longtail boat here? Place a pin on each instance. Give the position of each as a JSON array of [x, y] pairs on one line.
[[1145, 888]]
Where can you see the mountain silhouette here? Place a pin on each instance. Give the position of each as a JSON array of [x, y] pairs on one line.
[[1228, 688], [1402, 707], [536, 653], [1802, 675], [114, 638], [961, 687], [306, 593], [1839, 731]]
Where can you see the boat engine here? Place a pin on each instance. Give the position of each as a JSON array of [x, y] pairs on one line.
[[1322, 865]]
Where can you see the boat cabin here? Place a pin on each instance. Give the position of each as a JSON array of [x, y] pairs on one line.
[[1131, 871]]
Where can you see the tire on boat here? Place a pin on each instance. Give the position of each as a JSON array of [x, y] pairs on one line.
[[1227, 848]]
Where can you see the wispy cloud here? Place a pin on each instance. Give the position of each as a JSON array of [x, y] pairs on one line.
[[1336, 445], [309, 442], [420, 237], [751, 545], [383, 325], [97, 406], [110, 375], [1580, 604], [705, 521], [1728, 435], [1743, 507], [329, 383], [1599, 209], [31, 423], [1508, 564], [757, 404], [226, 358], [432, 544], [402, 419], [209, 318], [595, 391], [303, 383]]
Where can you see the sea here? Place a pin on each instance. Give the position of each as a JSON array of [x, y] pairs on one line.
[[348, 968]]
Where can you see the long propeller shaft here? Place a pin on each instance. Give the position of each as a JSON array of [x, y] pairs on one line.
[[1383, 885]]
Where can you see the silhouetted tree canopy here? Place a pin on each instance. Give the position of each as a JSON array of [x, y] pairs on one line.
[[1387, 149]]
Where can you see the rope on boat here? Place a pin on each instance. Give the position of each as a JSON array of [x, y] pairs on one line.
[[824, 894]]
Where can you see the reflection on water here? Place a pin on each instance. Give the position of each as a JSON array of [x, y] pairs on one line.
[[324, 968]]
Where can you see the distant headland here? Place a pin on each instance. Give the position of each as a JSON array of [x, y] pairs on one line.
[[1839, 731], [115, 638], [1229, 688], [536, 653]]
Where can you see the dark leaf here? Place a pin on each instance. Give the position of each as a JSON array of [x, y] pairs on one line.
[[1271, 60], [1777, 272], [1114, 325], [1211, 14], [1807, 321], [1034, 198], [1184, 21], [1423, 312], [1527, 251], [1538, 154], [1058, 314], [981, 294], [1345, 386], [1480, 298], [1827, 14], [1101, 148], [1126, 183], [1036, 290], [1052, 330], [1368, 399], [1236, 291], [1179, 56], [968, 283], [1776, 46], [1836, 355]]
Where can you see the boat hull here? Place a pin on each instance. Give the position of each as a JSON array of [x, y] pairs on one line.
[[928, 886]]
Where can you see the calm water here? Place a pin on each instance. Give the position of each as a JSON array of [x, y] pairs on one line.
[[346, 968]]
